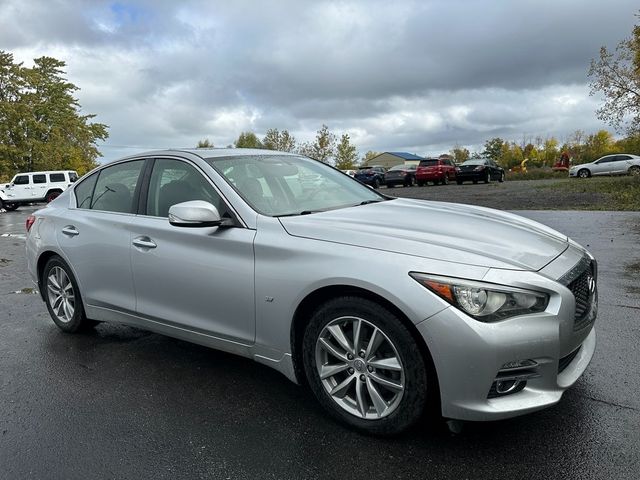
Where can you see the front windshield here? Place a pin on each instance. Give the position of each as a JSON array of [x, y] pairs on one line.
[[278, 185], [477, 161]]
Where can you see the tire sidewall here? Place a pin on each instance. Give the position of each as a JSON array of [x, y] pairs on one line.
[[78, 314], [414, 400]]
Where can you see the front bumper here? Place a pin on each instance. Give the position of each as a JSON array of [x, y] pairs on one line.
[[468, 354]]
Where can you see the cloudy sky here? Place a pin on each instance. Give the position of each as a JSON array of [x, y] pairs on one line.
[[417, 76]]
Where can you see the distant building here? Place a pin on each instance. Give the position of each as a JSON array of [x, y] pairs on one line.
[[391, 159]]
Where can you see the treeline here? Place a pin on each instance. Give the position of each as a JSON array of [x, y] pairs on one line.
[[539, 152], [41, 127], [326, 146]]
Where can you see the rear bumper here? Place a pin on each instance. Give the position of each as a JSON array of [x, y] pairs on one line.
[[430, 177]]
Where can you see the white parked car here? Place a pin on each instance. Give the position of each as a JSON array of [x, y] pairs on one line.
[[620, 164], [35, 187]]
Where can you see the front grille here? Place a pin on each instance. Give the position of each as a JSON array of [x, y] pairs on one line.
[[565, 361], [581, 280]]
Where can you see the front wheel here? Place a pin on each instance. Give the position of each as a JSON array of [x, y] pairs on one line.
[[459, 182], [10, 207], [635, 170], [364, 367], [501, 177], [584, 173], [376, 183], [51, 196], [445, 180], [62, 296], [487, 179]]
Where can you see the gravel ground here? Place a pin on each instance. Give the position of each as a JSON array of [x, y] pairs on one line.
[[510, 195]]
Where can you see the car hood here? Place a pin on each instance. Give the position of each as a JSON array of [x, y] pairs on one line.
[[436, 230]]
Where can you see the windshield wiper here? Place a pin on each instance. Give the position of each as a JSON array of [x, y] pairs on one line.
[[367, 202], [295, 214]]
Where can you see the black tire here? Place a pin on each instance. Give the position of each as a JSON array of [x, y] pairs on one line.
[[390, 185], [475, 182], [376, 183], [420, 184], [412, 404], [10, 207], [487, 179], [635, 170], [459, 182], [79, 320], [51, 196], [584, 173], [436, 182], [501, 177], [445, 180], [409, 183]]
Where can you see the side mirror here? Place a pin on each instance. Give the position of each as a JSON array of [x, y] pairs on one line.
[[193, 214]]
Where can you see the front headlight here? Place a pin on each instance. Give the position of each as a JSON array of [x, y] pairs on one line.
[[486, 302]]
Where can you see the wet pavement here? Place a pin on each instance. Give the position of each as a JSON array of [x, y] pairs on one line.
[[119, 402]]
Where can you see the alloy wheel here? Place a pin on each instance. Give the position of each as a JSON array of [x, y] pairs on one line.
[[61, 295], [360, 368]]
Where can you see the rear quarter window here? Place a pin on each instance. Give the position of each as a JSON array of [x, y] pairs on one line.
[[84, 191]]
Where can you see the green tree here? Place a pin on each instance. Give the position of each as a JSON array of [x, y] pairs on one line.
[[322, 148], [248, 140], [41, 126], [617, 76], [368, 156], [282, 141], [460, 154], [206, 143], [346, 155], [597, 145], [493, 148]]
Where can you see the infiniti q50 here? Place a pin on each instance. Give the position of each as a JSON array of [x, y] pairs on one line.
[[487, 313]]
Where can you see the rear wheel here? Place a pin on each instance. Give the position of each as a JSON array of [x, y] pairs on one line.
[[459, 182], [445, 180], [62, 296], [584, 173], [409, 182], [501, 177], [363, 366], [376, 183], [51, 196], [420, 184], [487, 178], [635, 170], [10, 207]]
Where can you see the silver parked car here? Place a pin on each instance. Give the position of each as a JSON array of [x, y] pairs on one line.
[[621, 164], [487, 313]]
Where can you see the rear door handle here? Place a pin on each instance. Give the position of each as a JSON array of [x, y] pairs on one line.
[[144, 242], [70, 230]]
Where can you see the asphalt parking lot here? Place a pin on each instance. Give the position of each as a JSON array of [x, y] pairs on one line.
[[124, 403]]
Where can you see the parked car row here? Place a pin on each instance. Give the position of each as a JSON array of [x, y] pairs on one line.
[[439, 171]]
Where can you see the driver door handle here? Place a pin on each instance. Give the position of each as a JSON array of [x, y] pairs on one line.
[[144, 242]]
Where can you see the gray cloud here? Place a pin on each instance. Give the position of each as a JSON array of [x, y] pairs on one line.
[[414, 75]]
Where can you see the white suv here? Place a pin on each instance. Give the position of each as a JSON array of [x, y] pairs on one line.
[[35, 187]]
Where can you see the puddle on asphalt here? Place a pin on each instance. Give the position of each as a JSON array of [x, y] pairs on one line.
[[26, 291]]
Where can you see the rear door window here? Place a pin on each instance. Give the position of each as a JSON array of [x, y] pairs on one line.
[[40, 178], [116, 186], [57, 178]]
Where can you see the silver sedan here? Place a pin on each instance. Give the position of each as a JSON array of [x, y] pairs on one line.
[[381, 305]]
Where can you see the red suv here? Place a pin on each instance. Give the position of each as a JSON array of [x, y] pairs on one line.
[[436, 170]]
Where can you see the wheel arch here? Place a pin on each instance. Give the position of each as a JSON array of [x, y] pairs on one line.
[[313, 300]]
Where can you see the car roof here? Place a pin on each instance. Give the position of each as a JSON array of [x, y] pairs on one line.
[[206, 153], [45, 171]]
